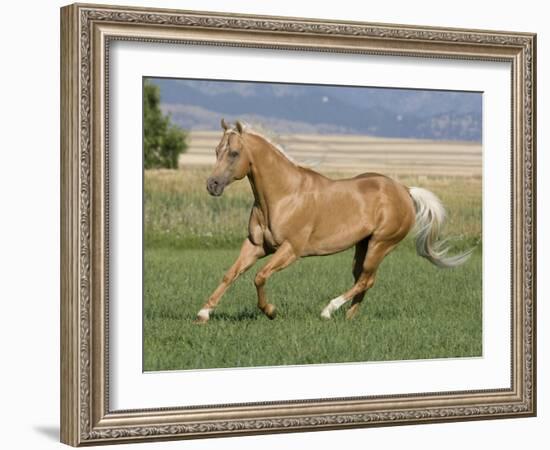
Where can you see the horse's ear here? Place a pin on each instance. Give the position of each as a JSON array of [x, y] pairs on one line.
[[240, 126], [224, 124]]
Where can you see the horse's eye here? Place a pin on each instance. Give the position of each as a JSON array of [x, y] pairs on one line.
[[233, 154]]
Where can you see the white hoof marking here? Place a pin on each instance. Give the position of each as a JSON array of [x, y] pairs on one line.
[[332, 306], [204, 314]]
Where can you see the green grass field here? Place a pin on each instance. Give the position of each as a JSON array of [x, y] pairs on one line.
[[414, 311]]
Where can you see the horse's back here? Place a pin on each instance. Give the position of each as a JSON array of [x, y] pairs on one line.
[[372, 183], [379, 181], [369, 175]]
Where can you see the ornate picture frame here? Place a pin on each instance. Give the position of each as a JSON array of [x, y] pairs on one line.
[[87, 31]]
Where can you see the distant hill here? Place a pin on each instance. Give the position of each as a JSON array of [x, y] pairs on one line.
[[285, 108]]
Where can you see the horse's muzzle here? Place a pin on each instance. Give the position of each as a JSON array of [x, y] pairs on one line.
[[215, 186]]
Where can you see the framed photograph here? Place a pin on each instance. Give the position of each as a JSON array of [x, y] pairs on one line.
[[276, 224]]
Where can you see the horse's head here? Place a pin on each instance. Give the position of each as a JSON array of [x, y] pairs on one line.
[[232, 161]]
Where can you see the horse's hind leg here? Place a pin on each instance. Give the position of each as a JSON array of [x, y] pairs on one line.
[[283, 257], [376, 251], [358, 261], [250, 253]]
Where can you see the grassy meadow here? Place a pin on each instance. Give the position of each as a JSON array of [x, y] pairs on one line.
[[414, 311]]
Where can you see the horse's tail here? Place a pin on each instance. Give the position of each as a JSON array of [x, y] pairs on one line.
[[430, 215]]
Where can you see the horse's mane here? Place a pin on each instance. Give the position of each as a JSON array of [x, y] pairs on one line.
[[248, 129]]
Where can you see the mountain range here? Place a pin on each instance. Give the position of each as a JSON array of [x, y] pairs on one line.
[[298, 108]]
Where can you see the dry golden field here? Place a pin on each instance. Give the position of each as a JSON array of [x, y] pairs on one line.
[[358, 153]]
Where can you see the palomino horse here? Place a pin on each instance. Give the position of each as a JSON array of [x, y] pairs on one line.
[[299, 212]]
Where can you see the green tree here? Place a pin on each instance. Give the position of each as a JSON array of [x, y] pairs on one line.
[[163, 141]]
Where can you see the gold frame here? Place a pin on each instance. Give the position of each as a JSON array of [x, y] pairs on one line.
[[86, 31]]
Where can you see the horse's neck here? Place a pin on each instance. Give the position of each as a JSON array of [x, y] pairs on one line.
[[272, 176]]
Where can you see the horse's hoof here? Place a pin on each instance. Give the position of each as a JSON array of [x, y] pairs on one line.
[[270, 311], [200, 321], [203, 316], [325, 314]]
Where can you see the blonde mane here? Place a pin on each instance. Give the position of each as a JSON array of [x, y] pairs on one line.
[[270, 141]]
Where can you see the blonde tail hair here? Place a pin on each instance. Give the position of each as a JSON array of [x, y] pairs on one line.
[[430, 215]]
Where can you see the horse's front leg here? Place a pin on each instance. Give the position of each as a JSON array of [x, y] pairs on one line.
[[250, 253], [283, 257]]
